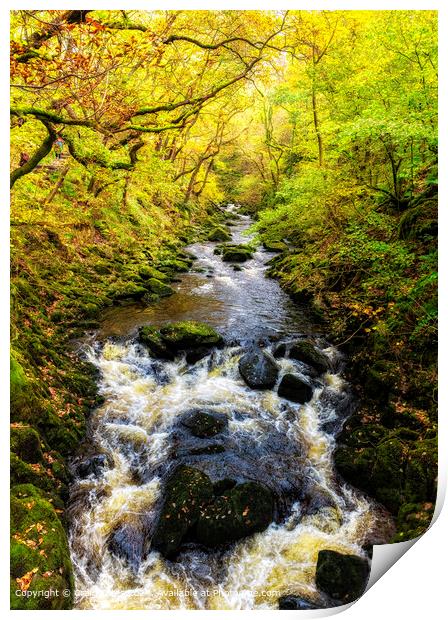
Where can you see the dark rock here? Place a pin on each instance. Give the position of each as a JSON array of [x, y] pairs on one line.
[[212, 448], [294, 388], [151, 338], [205, 423], [279, 350], [186, 491], [223, 485], [127, 541], [295, 602], [195, 355], [244, 510], [258, 369], [94, 465], [305, 351], [343, 577]]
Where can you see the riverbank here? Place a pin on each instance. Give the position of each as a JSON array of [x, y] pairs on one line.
[[371, 287], [60, 285]]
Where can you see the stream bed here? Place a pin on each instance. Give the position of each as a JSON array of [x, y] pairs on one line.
[[285, 445]]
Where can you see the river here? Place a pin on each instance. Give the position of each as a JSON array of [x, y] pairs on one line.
[[289, 446]]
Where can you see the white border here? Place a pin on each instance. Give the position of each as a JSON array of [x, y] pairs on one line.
[[415, 587]]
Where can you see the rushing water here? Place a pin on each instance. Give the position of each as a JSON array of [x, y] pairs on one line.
[[269, 439]]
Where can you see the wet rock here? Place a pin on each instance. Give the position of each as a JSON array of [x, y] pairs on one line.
[[258, 369], [295, 602], [236, 253], [279, 350], [189, 335], [244, 510], [195, 355], [205, 423], [223, 485], [186, 491], [197, 339], [219, 234], [294, 388], [305, 351], [151, 338], [94, 465], [212, 448], [343, 577], [127, 541]]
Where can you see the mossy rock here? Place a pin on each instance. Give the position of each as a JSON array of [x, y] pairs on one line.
[[421, 472], [60, 434], [379, 380], [343, 577], [245, 509], [159, 288], [205, 423], [236, 253], [189, 334], [146, 272], [219, 234], [305, 351], [35, 473], [413, 520], [25, 443], [175, 265], [185, 492], [40, 557], [153, 341], [275, 246], [126, 291]]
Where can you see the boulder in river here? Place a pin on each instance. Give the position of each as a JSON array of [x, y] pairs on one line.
[[219, 234], [205, 423], [258, 369], [151, 338], [191, 336], [159, 288], [186, 491], [188, 335], [127, 541], [341, 576], [294, 388], [305, 351], [245, 509], [93, 465], [236, 253]]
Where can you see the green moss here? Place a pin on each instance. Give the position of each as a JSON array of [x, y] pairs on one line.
[[128, 290], [186, 334], [39, 548], [26, 443], [151, 338], [236, 253], [219, 234], [159, 288]]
